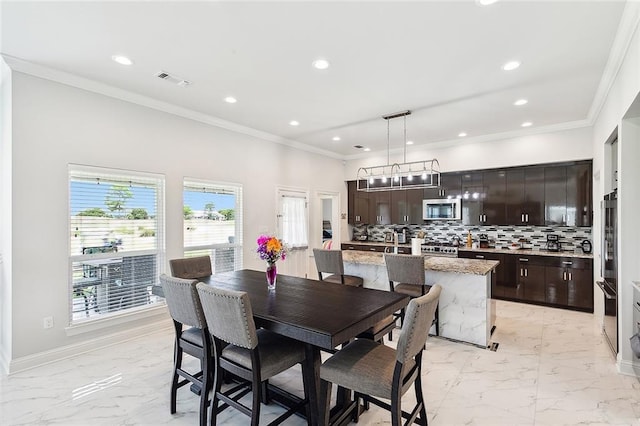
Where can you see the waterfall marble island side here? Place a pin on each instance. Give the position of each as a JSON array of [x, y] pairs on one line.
[[467, 312]]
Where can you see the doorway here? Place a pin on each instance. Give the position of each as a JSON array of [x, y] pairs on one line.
[[293, 229]]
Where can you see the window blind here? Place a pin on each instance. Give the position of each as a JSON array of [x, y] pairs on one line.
[[116, 240], [213, 223]]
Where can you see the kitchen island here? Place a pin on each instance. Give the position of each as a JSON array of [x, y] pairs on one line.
[[467, 312]]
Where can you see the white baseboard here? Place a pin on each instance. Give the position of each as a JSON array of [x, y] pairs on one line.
[[162, 322], [4, 363], [629, 368]]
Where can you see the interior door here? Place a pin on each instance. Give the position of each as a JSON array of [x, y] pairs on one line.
[[293, 230]]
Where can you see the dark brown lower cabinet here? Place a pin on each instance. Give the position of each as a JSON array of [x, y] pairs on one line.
[[563, 282], [570, 282], [531, 279]]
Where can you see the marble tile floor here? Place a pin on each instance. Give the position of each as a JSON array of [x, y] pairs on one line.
[[552, 367]]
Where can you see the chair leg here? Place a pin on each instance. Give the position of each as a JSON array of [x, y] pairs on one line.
[[437, 317], [265, 392], [218, 377], [206, 387], [396, 409], [420, 400], [177, 363], [324, 402], [255, 405]]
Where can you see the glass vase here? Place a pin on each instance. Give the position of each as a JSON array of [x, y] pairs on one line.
[[272, 274]]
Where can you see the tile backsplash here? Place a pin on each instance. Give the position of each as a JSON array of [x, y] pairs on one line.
[[499, 236]]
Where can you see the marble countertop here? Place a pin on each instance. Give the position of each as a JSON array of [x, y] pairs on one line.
[[440, 264], [528, 252]]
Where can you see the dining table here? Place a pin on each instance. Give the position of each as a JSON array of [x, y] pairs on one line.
[[320, 314]]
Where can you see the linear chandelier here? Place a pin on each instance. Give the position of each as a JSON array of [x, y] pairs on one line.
[[399, 176]]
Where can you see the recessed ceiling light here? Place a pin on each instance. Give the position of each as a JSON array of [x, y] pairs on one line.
[[462, 134], [485, 2], [320, 64], [521, 102], [526, 124], [367, 149], [335, 138], [510, 66], [409, 142], [122, 60], [230, 100], [294, 123]]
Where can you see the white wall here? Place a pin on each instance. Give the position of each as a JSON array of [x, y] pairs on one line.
[[5, 214], [55, 125], [567, 145], [624, 90]]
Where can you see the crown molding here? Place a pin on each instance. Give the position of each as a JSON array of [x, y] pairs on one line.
[[552, 128], [627, 28], [63, 77]]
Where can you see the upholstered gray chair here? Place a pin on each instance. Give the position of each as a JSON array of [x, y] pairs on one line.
[[252, 355], [183, 301], [330, 262], [191, 267], [374, 371], [406, 276]]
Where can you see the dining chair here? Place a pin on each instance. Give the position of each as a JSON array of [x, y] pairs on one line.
[[330, 262], [253, 355], [375, 371], [191, 267], [407, 276], [184, 306]]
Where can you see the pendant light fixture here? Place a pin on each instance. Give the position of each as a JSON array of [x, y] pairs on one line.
[[399, 176]]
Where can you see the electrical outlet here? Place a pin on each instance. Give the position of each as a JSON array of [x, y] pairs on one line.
[[48, 322]]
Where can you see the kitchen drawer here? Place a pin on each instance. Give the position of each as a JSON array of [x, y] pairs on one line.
[[530, 260], [361, 247], [569, 262]]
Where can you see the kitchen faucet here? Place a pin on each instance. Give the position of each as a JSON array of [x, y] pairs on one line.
[[395, 244]]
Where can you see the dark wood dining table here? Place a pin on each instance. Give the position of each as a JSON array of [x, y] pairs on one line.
[[323, 315]]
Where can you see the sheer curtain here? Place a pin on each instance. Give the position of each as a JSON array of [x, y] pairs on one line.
[[294, 221]]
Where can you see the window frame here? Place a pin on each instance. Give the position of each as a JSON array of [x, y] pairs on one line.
[[193, 184], [157, 181]]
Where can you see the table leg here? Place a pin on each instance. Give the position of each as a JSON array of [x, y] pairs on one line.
[[311, 377]]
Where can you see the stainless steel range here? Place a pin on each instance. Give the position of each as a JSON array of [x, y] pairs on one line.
[[439, 249]]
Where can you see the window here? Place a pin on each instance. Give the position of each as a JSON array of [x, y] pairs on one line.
[[116, 240], [293, 218], [213, 223]]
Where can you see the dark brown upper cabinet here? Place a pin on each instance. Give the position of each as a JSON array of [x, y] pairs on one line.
[[472, 193], [567, 192], [579, 195], [406, 206], [358, 204], [525, 196], [450, 187], [483, 197], [555, 195], [380, 208]]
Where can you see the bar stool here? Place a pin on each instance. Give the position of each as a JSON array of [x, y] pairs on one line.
[[330, 262], [407, 272], [377, 371]]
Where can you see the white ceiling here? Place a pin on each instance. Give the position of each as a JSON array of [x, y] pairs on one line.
[[440, 59]]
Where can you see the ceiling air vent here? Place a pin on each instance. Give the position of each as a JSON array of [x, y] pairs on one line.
[[173, 79]]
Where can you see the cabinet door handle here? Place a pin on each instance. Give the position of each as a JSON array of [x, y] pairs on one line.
[[526, 272], [564, 276], [522, 217], [479, 257], [372, 249], [564, 262], [526, 216], [570, 276], [523, 260], [521, 273]]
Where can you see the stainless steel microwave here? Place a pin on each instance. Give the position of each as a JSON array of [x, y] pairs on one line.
[[441, 209]]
